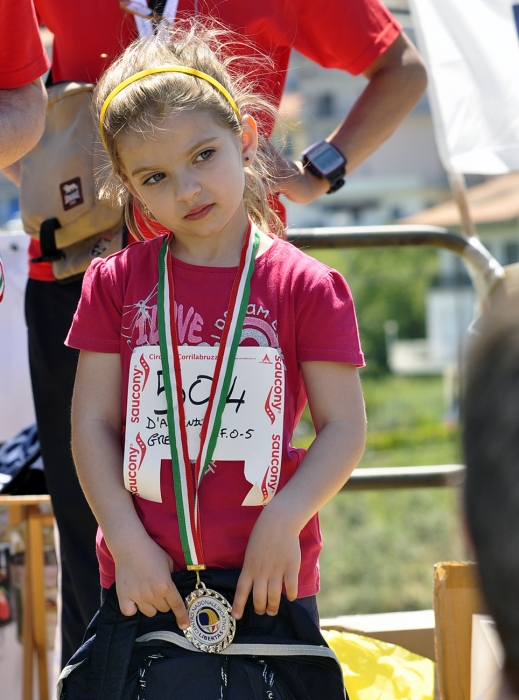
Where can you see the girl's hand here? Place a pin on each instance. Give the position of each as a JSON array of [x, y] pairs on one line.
[[272, 557], [143, 577]]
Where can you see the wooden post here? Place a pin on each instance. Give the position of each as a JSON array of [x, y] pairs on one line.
[[27, 633], [34, 632], [456, 597], [34, 560]]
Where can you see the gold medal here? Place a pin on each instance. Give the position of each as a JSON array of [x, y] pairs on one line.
[[211, 625]]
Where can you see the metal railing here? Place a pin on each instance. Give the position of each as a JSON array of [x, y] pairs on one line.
[[486, 274]]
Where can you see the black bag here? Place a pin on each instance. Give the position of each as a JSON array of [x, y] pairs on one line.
[[148, 658], [21, 466]]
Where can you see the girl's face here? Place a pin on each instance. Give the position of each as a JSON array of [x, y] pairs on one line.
[[190, 174]]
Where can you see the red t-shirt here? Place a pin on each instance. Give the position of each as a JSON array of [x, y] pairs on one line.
[[22, 56], [344, 34], [296, 304]]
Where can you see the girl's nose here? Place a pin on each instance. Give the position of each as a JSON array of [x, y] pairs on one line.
[[187, 187]]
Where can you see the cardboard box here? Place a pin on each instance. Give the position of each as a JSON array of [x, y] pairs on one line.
[[413, 630], [456, 598]]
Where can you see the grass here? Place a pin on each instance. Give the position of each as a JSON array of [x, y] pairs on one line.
[[380, 546]]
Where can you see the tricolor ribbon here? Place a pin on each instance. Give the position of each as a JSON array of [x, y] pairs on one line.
[[186, 481]]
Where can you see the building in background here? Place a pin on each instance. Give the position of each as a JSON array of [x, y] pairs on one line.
[[494, 208]]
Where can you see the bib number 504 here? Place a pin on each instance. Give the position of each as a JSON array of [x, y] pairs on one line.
[[199, 390]]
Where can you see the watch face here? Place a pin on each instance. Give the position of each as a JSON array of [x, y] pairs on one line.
[[327, 160]]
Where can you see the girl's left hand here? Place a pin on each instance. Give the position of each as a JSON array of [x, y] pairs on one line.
[[272, 558]]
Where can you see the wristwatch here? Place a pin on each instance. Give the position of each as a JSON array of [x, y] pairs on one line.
[[325, 162]]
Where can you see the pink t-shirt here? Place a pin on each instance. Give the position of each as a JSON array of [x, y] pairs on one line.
[[296, 304]]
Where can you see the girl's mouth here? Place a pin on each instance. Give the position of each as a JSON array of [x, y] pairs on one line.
[[199, 212]]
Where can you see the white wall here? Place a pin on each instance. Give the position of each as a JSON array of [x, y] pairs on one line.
[[16, 407], [449, 312]]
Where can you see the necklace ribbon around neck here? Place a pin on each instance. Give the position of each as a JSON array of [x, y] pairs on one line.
[[187, 480]]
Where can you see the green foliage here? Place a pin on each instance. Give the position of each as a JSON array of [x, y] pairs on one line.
[[405, 423], [380, 548], [403, 437], [402, 402], [387, 284]]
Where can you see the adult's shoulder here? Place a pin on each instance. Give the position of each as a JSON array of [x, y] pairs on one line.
[[344, 34]]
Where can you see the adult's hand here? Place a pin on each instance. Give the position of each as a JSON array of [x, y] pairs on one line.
[[396, 81], [295, 182]]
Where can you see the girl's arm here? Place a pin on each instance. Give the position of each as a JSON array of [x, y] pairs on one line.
[[273, 554], [143, 569]]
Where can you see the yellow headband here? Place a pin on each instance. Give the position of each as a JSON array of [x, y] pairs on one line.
[[163, 69]]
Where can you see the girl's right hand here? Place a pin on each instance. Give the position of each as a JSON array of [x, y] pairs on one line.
[[143, 582]]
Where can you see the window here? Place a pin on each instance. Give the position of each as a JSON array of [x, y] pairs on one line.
[[511, 252], [325, 105]]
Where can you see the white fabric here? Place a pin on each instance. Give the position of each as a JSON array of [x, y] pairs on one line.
[[16, 406], [145, 26], [471, 49], [237, 649], [252, 421]]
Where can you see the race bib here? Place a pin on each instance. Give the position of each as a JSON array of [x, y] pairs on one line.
[[252, 421]]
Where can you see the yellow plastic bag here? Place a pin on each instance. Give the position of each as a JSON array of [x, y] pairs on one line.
[[375, 670]]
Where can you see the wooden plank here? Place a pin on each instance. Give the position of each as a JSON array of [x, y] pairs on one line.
[[456, 597], [24, 500], [34, 557], [27, 634], [16, 514]]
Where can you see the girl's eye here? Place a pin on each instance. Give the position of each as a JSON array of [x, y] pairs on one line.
[[204, 155], [153, 179]]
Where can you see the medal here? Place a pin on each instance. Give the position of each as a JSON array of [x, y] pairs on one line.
[[211, 625]]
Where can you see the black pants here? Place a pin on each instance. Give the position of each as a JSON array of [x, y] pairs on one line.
[[49, 309]]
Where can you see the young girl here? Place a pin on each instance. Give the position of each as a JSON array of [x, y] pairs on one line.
[[199, 348]]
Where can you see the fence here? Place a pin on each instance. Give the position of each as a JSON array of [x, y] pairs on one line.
[[486, 274]]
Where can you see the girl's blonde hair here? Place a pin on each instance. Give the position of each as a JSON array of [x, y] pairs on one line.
[[142, 105]]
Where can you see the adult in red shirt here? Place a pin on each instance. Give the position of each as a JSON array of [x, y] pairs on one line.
[[359, 36], [22, 96]]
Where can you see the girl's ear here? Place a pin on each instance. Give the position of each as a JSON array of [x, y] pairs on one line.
[[249, 139]]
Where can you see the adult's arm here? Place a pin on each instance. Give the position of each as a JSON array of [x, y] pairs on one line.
[[23, 100], [396, 81], [22, 120]]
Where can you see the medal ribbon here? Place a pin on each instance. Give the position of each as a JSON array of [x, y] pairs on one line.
[[185, 481], [2, 281]]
